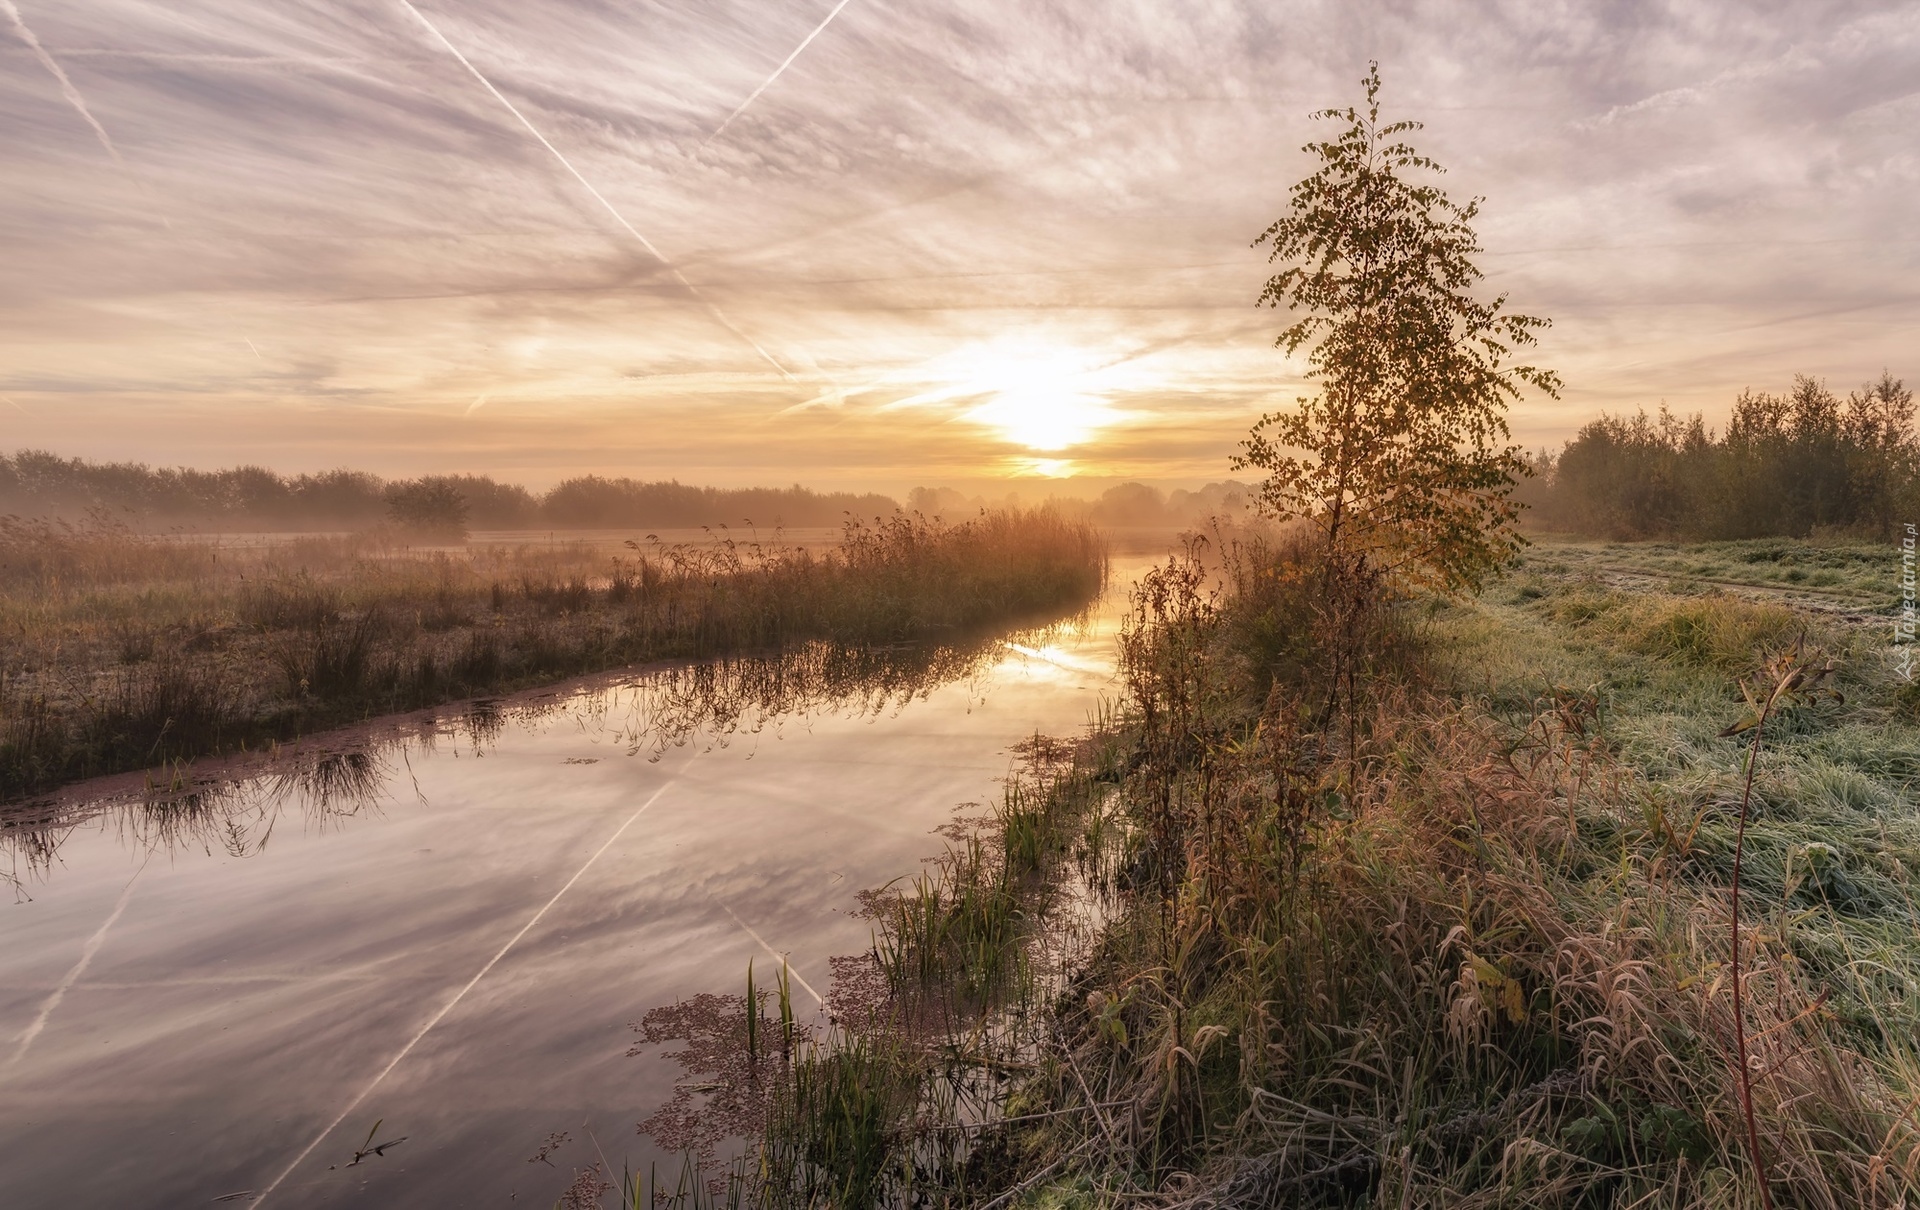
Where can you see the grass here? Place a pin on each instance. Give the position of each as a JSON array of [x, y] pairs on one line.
[[119, 651], [1477, 956], [1847, 574]]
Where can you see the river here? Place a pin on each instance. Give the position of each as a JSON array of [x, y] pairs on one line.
[[446, 924]]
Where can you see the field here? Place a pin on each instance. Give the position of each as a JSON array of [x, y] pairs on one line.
[[1852, 578], [1478, 955], [122, 651]]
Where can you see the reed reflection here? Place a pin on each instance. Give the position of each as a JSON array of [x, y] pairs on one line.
[[235, 807]]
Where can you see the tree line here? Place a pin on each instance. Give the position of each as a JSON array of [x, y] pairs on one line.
[[1130, 505], [38, 483], [1793, 464]]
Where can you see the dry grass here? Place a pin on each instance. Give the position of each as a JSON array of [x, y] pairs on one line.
[[1474, 955], [1712, 631], [1481, 959], [119, 651], [1844, 572]]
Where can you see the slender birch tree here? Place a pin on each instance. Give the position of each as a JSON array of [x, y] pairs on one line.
[[1402, 462]]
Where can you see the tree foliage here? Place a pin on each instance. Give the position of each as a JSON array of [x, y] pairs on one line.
[[35, 483], [1788, 465], [431, 506], [1402, 460]]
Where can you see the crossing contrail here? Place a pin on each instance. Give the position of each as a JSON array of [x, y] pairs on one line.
[[619, 218], [775, 954], [784, 64], [459, 995], [67, 89]]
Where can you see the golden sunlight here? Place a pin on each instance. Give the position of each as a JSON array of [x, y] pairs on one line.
[[1040, 468], [1045, 400], [1037, 395]]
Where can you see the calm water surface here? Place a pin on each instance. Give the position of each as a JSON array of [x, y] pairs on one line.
[[449, 926]]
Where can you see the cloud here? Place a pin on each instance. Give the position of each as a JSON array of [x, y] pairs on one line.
[[1704, 197]]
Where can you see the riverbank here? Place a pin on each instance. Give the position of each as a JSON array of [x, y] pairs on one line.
[[120, 651], [1475, 950]]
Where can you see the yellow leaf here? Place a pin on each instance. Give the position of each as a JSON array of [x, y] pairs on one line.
[[1747, 723]]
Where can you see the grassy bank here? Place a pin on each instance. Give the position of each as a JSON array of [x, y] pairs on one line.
[[1475, 951], [119, 651]]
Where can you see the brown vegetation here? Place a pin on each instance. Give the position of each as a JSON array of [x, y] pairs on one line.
[[1490, 936], [119, 651], [1480, 958]]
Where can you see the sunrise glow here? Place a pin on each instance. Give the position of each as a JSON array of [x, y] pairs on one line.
[[885, 250], [1042, 399]]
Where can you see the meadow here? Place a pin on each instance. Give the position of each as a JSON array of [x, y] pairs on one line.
[[1212, 954], [1852, 577], [121, 650]]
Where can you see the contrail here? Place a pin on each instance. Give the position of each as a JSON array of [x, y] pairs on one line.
[[459, 995], [67, 89], [597, 196], [16, 407], [840, 395], [79, 103], [768, 82], [87, 952], [774, 953], [475, 405]]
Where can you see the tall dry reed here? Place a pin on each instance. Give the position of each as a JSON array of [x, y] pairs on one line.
[[119, 650]]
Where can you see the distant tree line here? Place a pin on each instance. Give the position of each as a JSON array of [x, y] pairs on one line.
[[1137, 505], [1786, 465], [37, 483]]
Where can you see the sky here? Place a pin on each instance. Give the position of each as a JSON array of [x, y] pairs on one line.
[[881, 243]]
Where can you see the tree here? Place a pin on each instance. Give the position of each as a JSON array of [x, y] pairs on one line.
[[432, 507], [1884, 452], [1402, 462]]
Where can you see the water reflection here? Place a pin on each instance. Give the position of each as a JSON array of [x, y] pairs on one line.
[[233, 806], [723, 699]]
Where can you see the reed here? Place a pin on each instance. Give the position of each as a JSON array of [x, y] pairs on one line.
[[120, 650]]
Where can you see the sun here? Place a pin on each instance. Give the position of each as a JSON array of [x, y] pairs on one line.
[[1042, 397], [1045, 399], [1043, 416]]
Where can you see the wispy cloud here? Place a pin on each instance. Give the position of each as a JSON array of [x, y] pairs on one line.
[[608, 206], [405, 208]]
